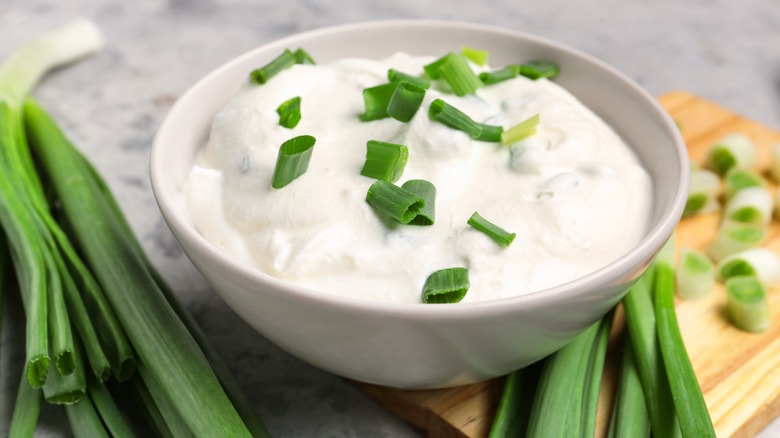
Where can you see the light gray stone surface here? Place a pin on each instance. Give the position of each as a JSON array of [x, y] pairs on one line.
[[111, 104]]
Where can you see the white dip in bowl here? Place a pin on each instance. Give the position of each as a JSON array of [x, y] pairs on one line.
[[574, 193]]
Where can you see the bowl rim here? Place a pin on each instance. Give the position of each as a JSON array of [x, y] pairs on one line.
[[611, 273]]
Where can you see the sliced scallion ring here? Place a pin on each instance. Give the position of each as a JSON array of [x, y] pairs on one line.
[[734, 237], [738, 179], [459, 76], [695, 275], [752, 205], [376, 100], [490, 133], [446, 286], [500, 75], [405, 101], [385, 161], [263, 74], [733, 151], [290, 112], [747, 304], [447, 114], [293, 160], [491, 230], [522, 130], [479, 57], [303, 57], [539, 69], [398, 76], [762, 263], [427, 191], [396, 202]]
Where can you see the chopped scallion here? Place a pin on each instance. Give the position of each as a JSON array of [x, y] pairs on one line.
[[733, 151], [459, 76], [432, 69], [762, 263], [427, 191], [734, 237], [695, 275], [284, 61], [752, 205], [384, 160], [405, 101], [446, 286], [293, 160], [738, 179], [522, 130], [290, 112], [703, 191], [398, 76], [447, 114], [500, 75], [493, 231], [539, 69], [491, 133], [396, 202], [479, 57], [747, 304], [303, 57], [376, 100]]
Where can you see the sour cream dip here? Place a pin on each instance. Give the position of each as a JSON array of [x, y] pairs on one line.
[[574, 193]]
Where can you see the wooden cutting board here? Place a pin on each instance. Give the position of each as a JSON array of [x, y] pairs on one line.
[[739, 372]]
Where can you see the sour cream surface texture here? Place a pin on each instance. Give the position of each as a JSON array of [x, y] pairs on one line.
[[574, 193]]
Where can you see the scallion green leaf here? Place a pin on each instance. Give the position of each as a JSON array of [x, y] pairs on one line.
[[427, 191], [447, 114], [282, 62], [290, 112], [396, 202], [405, 101], [692, 414], [293, 160], [629, 413], [384, 160], [514, 408], [641, 322], [398, 76], [493, 231], [539, 69], [446, 286], [747, 304], [376, 100], [500, 75], [522, 130], [558, 402]]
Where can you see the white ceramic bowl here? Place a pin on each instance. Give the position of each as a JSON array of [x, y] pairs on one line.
[[418, 345]]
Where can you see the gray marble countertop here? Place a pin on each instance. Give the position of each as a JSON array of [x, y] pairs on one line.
[[111, 105]]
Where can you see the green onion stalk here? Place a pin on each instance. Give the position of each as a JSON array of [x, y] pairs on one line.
[[21, 200]]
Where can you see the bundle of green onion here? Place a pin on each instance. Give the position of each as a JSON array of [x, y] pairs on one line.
[[657, 391], [97, 313]]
